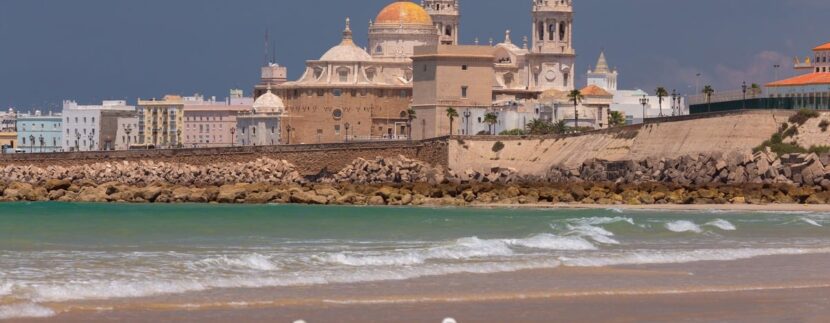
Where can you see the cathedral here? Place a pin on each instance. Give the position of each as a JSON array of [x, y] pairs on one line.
[[355, 93]]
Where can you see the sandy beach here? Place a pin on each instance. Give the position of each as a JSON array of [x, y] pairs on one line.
[[765, 289]]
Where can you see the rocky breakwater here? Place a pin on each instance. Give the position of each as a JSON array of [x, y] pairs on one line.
[[759, 178]]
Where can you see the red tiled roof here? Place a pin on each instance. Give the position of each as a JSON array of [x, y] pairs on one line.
[[593, 90], [806, 79], [823, 47]]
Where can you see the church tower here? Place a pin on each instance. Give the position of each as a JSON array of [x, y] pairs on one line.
[[602, 75], [552, 55], [446, 14]]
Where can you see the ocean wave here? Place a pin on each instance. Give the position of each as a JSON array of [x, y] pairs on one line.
[[24, 310], [810, 221], [602, 220], [674, 257], [252, 261], [683, 226], [598, 234], [461, 249], [723, 225]]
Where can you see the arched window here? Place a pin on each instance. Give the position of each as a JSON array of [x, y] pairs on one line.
[[541, 31], [448, 31], [562, 30]]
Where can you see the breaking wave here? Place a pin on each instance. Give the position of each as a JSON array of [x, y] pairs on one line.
[[723, 225], [27, 310], [673, 257], [683, 226]]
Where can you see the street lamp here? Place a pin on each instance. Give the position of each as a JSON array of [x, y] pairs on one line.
[[91, 143], [673, 102], [77, 140], [644, 101], [349, 125], [128, 129], [32, 143], [233, 138], [41, 142], [289, 129], [679, 104], [467, 115], [743, 103]]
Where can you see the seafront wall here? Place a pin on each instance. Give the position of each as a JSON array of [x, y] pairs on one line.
[[308, 159], [724, 133]]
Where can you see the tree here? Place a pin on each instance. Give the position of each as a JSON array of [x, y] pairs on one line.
[[616, 119], [559, 127], [756, 89], [410, 115], [661, 93], [539, 127], [491, 119], [576, 97], [452, 114], [708, 91]]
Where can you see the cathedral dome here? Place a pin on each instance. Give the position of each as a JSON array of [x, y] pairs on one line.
[[403, 12], [269, 103], [346, 51]]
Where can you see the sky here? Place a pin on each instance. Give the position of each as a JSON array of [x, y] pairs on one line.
[[93, 50]]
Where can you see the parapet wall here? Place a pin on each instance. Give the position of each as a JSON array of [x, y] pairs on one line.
[[671, 138], [309, 159]]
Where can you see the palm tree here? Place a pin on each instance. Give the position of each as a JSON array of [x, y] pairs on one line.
[[576, 97], [452, 114], [708, 91], [491, 119], [616, 119], [661, 93], [756, 89], [559, 127], [410, 115], [538, 127]]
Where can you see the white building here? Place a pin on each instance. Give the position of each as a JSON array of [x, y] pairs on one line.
[[629, 102], [93, 127], [260, 126]]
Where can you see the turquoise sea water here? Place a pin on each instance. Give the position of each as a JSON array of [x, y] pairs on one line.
[[52, 252]]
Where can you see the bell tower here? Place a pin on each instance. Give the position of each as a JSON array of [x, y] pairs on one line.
[[552, 55], [446, 14]]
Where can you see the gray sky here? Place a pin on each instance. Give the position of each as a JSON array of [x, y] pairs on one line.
[[90, 50]]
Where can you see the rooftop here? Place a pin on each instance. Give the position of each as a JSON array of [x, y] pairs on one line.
[[806, 79]]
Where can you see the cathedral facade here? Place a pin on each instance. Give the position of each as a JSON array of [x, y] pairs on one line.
[[353, 94]]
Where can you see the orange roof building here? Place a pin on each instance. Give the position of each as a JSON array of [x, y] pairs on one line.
[[811, 90]]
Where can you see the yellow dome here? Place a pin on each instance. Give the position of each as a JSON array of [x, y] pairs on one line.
[[404, 12]]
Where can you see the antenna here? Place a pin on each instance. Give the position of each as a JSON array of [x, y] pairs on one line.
[[266, 47]]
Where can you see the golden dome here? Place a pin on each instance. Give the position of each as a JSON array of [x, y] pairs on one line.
[[404, 12]]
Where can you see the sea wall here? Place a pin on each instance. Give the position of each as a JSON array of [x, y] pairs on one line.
[[737, 132], [309, 159]]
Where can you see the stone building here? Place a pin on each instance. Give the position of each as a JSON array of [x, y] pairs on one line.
[[260, 125], [161, 122], [458, 77], [352, 93], [93, 127], [38, 133]]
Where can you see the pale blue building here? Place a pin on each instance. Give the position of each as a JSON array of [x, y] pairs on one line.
[[39, 133]]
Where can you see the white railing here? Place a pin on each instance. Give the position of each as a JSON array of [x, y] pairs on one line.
[[376, 138]]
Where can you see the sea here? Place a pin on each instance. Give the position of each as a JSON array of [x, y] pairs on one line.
[[53, 254]]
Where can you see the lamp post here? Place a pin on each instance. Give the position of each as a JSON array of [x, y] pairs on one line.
[[679, 104], [349, 125], [128, 129], [77, 140], [644, 101], [91, 143], [233, 138], [743, 90], [673, 102], [467, 115], [32, 143], [42, 142], [289, 129]]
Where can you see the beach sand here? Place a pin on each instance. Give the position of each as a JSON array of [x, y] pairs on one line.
[[765, 289]]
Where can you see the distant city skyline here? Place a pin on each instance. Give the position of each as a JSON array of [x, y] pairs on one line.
[[94, 50]]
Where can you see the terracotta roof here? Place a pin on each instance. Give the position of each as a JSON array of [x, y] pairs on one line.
[[806, 79], [593, 90], [823, 47], [404, 12]]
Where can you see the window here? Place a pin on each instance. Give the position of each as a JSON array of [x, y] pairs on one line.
[[337, 113], [337, 92], [540, 31], [551, 31], [320, 92], [562, 30], [337, 129], [344, 75], [565, 79], [464, 92], [463, 67]]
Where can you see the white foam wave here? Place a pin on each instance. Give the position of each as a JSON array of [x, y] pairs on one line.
[[250, 261], [683, 226], [811, 221], [673, 257], [24, 310], [553, 242], [595, 233], [461, 249], [603, 220], [723, 225], [5, 288]]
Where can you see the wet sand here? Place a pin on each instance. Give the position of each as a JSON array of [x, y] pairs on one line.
[[765, 289]]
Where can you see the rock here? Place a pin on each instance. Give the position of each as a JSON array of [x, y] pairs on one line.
[[231, 194], [310, 197], [376, 200], [57, 184]]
